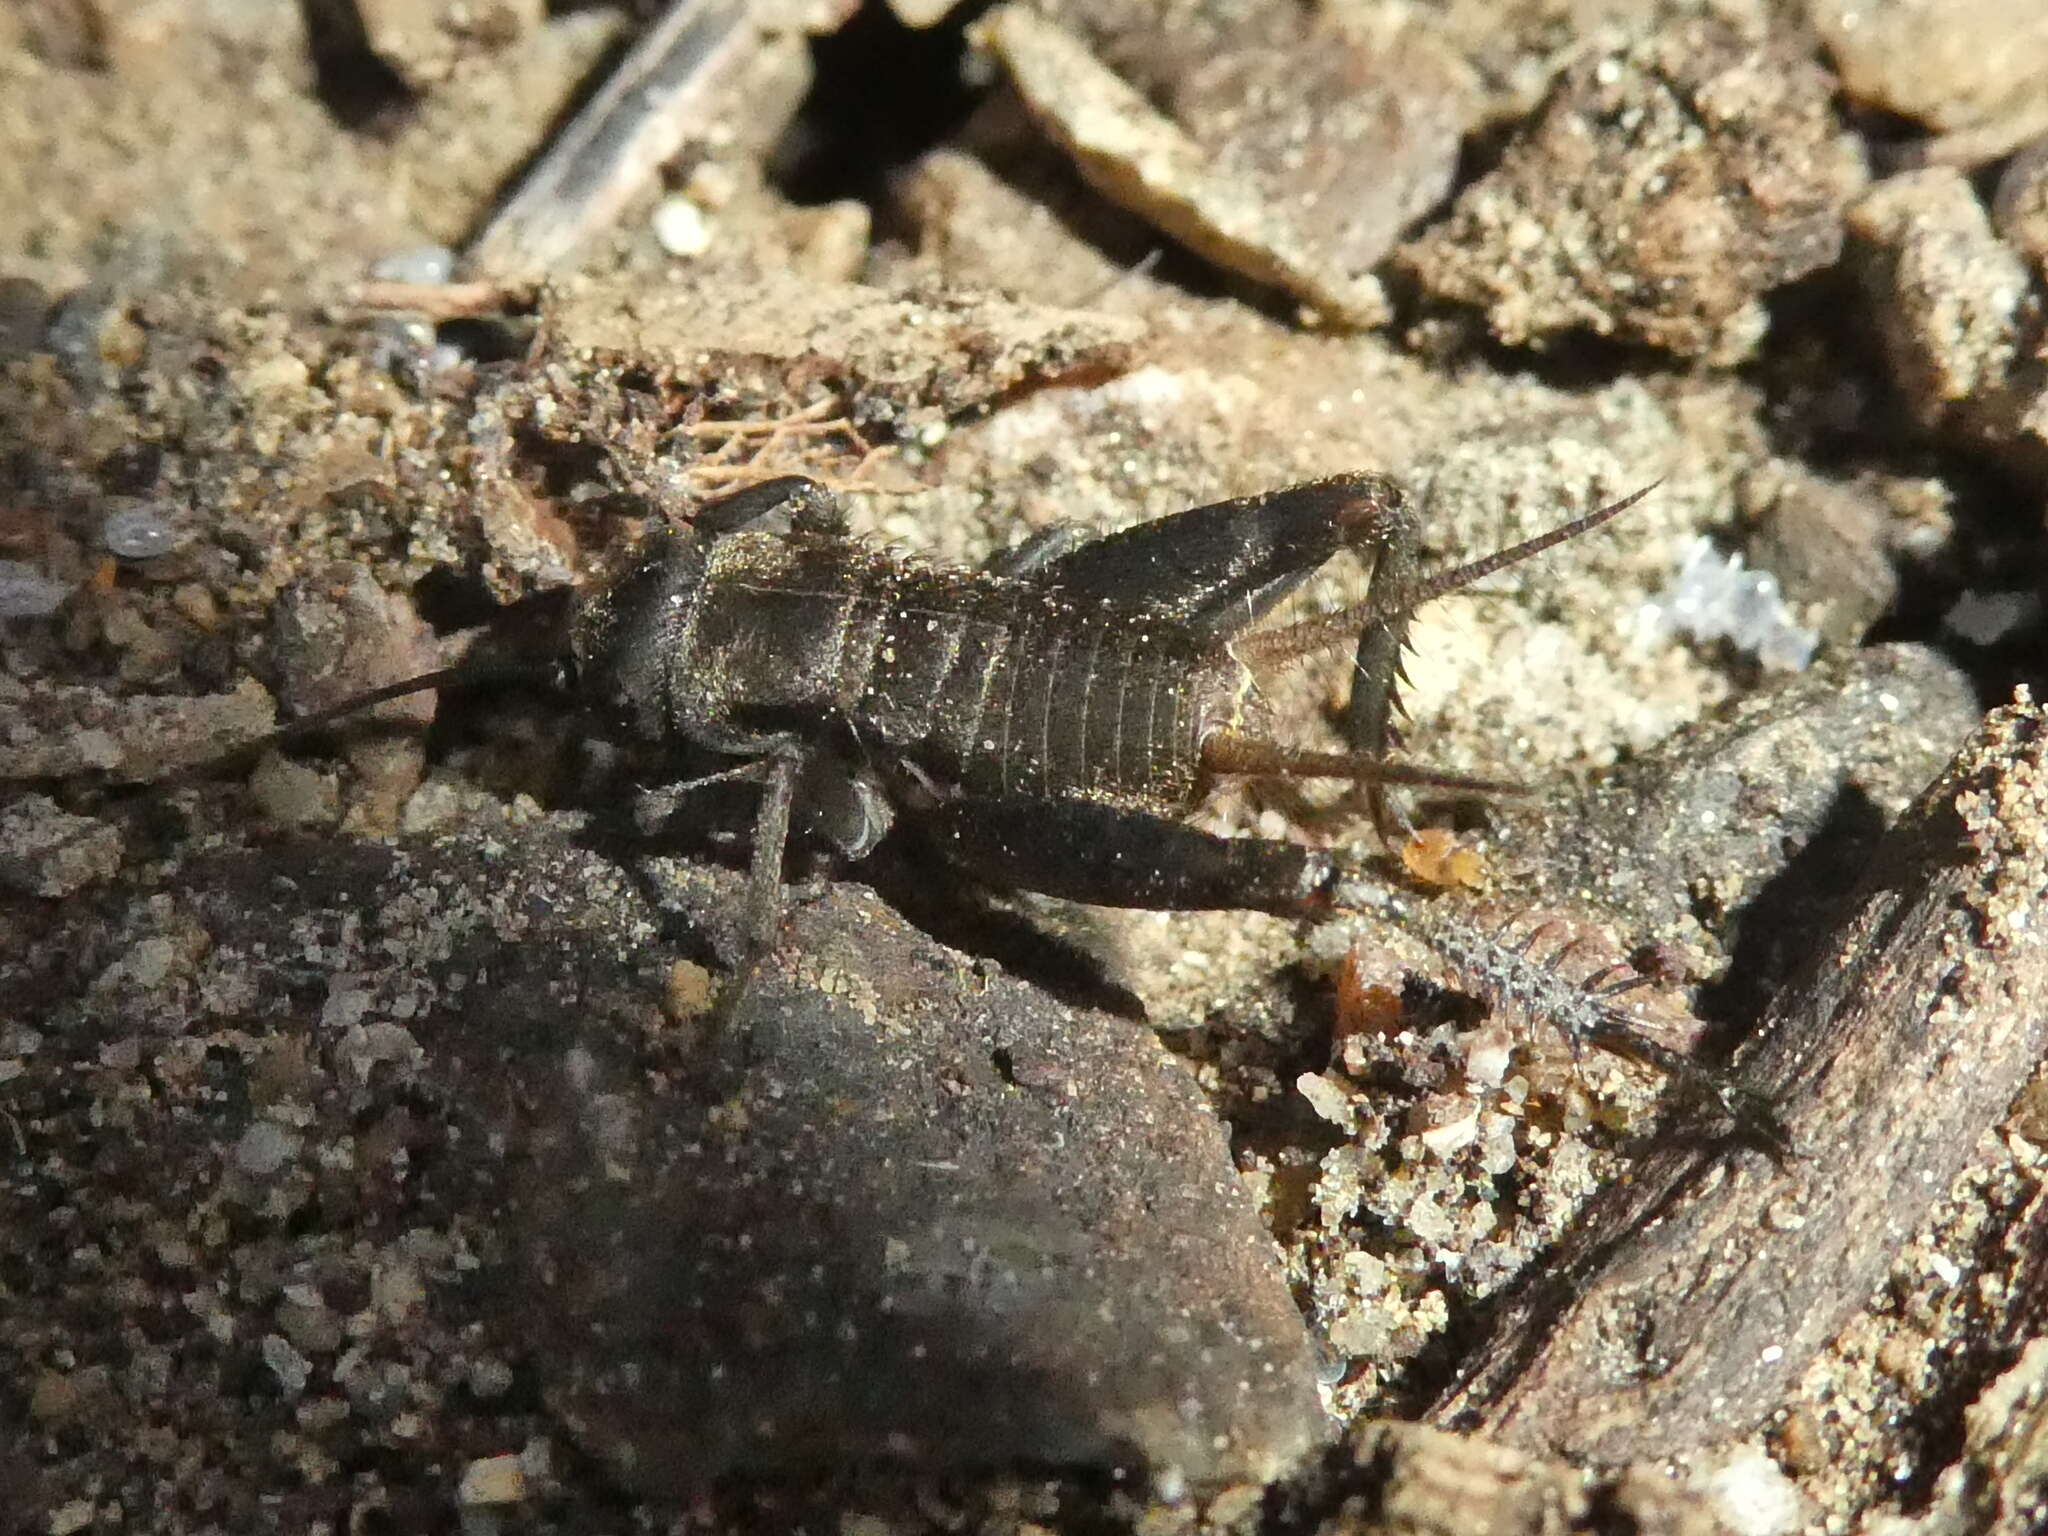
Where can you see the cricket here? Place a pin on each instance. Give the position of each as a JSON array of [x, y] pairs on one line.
[[1051, 718], [1049, 721]]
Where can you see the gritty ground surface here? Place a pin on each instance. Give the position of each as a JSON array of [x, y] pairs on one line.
[[356, 1104]]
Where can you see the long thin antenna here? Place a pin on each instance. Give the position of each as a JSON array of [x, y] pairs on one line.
[[462, 673], [1265, 649]]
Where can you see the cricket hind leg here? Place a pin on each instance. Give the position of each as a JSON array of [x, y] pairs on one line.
[[1042, 549], [1380, 625], [1224, 566], [1372, 714], [1113, 857]]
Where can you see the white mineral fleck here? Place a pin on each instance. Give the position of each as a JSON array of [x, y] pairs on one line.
[[1713, 597], [681, 228]]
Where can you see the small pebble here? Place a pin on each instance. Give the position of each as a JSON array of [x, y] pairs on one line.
[[142, 533], [493, 1480], [264, 1148], [279, 375], [416, 264], [712, 185], [396, 1291], [364, 1046], [1452, 1136], [48, 852], [314, 1329], [1985, 618], [55, 1399], [490, 1378], [26, 593], [1328, 1098], [292, 794], [690, 991], [286, 1364]]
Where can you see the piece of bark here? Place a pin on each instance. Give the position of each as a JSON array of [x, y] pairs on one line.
[[1693, 1293]]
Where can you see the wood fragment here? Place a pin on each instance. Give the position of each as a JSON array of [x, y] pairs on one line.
[[444, 301], [664, 91], [1693, 1293]]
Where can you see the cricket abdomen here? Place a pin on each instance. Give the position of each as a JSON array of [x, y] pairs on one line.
[[1064, 701], [993, 687]]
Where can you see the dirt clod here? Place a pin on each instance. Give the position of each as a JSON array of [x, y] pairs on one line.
[[1661, 193]]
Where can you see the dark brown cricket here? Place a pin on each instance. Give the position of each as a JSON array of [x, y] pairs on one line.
[[1053, 717]]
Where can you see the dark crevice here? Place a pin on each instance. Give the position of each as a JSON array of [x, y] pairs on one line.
[[882, 95], [363, 92]]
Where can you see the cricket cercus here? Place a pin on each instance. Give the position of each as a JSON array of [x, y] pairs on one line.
[[1049, 720]]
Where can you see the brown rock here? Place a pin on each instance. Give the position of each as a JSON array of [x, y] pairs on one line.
[[1140, 159]]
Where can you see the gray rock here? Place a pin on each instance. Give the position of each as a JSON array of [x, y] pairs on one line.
[[887, 1202], [1772, 812], [895, 1205]]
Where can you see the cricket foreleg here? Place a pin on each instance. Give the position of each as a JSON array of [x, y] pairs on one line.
[[787, 502], [779, 769], [1119, 858], [771, 838]]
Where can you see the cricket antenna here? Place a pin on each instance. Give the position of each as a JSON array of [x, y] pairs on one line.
[[1232, 753], [462, 674], [1266, 650], [535, 651]]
